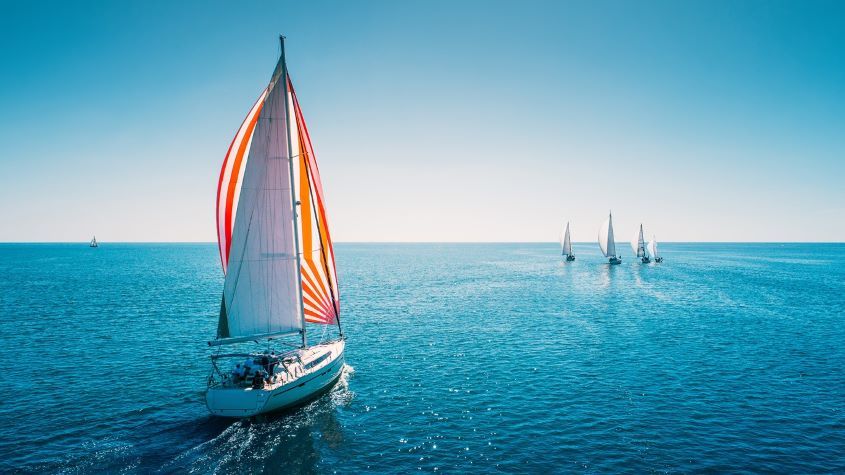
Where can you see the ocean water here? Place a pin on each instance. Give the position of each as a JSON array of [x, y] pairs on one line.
[[461, 358]]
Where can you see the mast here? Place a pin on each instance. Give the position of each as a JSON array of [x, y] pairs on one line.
[[294, 201]]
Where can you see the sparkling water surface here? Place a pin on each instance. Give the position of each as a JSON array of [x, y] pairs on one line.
[[461, 358]]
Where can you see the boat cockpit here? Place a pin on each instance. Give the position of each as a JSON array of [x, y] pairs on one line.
[[256, 370]]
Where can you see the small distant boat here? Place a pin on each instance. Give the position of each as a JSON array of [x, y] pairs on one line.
[[566, 245], [639, 247], [652, 249], [278, 261], [93, 242], [606, 242]]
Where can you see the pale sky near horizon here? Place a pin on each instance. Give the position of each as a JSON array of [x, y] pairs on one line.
[[435, 120]]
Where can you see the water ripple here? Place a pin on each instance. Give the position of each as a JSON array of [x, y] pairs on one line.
[[468, 358]]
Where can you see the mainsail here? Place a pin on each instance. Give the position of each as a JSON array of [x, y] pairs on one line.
[[278, 260], [566, 243], [606, 242]]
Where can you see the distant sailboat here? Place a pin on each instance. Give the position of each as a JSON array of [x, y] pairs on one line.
[[278, 262], [639, 247], [652, 249], [606, 242], [93, 242], [566, 245]]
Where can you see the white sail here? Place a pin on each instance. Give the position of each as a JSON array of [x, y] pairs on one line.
[[566, 243], [603, 237], [611, 241], [261, 289], [606, 242], [652, 247], [638, 243]]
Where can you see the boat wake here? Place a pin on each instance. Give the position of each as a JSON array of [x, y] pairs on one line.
[[287, 441]]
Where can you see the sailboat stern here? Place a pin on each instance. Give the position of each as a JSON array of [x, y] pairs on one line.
[[305, 376], [227, 402]]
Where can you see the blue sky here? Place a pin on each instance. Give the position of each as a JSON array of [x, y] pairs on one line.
[[433, 121]]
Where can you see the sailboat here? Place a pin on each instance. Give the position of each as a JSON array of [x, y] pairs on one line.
[[93, 242], [566, 245], [606, 242], [652, 249], [278, 262], [639, 247]]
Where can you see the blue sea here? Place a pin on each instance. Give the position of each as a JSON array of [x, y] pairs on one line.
[[461, 358]]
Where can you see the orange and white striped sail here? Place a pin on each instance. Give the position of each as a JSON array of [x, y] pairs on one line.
[[320, 298], [270, 204], [231, 178]]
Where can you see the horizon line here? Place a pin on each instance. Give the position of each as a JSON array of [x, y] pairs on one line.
[[431, 242]]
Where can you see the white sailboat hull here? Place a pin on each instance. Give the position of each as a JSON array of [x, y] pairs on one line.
[[304, 385]]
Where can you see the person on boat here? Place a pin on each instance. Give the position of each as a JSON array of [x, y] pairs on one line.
[[258, 381], [274, 361], [248, 365], [237, 373], [265, 363]]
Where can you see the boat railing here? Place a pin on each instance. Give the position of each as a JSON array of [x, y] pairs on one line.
[[284, 367]]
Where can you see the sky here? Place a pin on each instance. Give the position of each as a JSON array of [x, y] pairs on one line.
[[433, 120]]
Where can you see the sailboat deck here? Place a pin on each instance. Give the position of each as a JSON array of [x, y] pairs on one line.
[[278, 370]]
